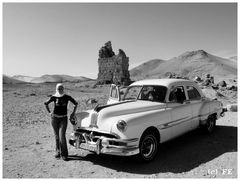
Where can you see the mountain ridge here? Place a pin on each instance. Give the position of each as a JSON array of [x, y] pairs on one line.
[[46, 78], [190, 64]]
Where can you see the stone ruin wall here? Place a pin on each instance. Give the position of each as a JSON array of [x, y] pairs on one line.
[[113, 69]]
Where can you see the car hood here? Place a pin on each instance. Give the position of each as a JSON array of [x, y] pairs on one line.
[[105, 116], [130, 107]]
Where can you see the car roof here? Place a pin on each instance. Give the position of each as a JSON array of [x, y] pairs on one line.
[[163, 82]]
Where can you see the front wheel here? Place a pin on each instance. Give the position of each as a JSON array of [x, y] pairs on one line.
[[148, 147]]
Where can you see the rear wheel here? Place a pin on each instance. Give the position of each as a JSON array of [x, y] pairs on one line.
[[148, 147], [210, 125]]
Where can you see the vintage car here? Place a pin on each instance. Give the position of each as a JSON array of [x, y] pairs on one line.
[[150, 112]]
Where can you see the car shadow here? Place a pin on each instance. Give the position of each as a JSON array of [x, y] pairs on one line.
[[179, 155]]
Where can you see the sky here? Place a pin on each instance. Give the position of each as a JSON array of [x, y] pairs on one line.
[[65, 38]]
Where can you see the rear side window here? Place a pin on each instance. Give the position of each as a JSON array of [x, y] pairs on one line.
[[193, 93]]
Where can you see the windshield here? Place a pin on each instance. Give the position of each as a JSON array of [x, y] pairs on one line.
[[147, 93], [132, 92]]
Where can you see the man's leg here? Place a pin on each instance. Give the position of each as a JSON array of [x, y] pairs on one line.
[[63, 142], [55, 125]]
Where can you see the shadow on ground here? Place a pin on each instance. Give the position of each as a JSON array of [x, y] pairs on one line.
[[179, 155]]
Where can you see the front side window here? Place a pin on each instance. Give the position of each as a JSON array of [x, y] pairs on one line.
[[153, 93], [177, 95], [193, 93]]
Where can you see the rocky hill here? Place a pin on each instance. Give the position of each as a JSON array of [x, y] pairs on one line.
[[233, 58], [10, 80], [146, 68], [189, 64], [23, 78], [50, 78]]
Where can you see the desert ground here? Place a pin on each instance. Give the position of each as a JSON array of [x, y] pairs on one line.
[[28, 143]]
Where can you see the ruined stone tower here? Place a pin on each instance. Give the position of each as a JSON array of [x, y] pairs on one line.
[[112, 68]]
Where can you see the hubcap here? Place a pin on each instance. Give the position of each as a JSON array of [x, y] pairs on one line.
[[148, 146]]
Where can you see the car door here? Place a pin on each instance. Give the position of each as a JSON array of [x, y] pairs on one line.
[[181, 112], [114, 94], [195, 100]]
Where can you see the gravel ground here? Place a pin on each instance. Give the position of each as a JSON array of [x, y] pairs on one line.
[[28, 143]]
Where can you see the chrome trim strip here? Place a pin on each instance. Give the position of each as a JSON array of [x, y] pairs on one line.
[[174, 123], [179, 121]]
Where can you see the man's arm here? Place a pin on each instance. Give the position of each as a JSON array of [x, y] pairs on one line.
[[75, 105], [46, 104], [74, 109]]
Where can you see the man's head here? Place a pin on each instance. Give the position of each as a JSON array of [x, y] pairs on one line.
[[60, 88]]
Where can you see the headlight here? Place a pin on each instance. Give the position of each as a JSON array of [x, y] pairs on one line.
[[122, 125]]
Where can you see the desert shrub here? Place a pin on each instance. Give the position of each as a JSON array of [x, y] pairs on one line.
[[16, 93], [94, 86]]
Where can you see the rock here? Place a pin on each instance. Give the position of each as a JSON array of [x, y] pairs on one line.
[[212, 79], [206, 82], [208, 76], [232, 107], [106, 51], [121, 53], [198, 79], [222, 84], [234, 88], [112, 68], [214, 86], [222, 88], [220, 94], [92, 100], [231, 87], [210, 93]]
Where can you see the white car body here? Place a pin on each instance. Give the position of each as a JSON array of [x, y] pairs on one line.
[[97, 130]]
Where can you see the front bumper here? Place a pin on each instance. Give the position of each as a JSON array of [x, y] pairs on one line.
[[104, 145]]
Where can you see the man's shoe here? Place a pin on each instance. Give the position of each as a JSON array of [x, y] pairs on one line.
[[65, 158], [57, 155]]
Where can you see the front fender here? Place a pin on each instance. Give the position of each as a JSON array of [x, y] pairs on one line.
[[138, 123]]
